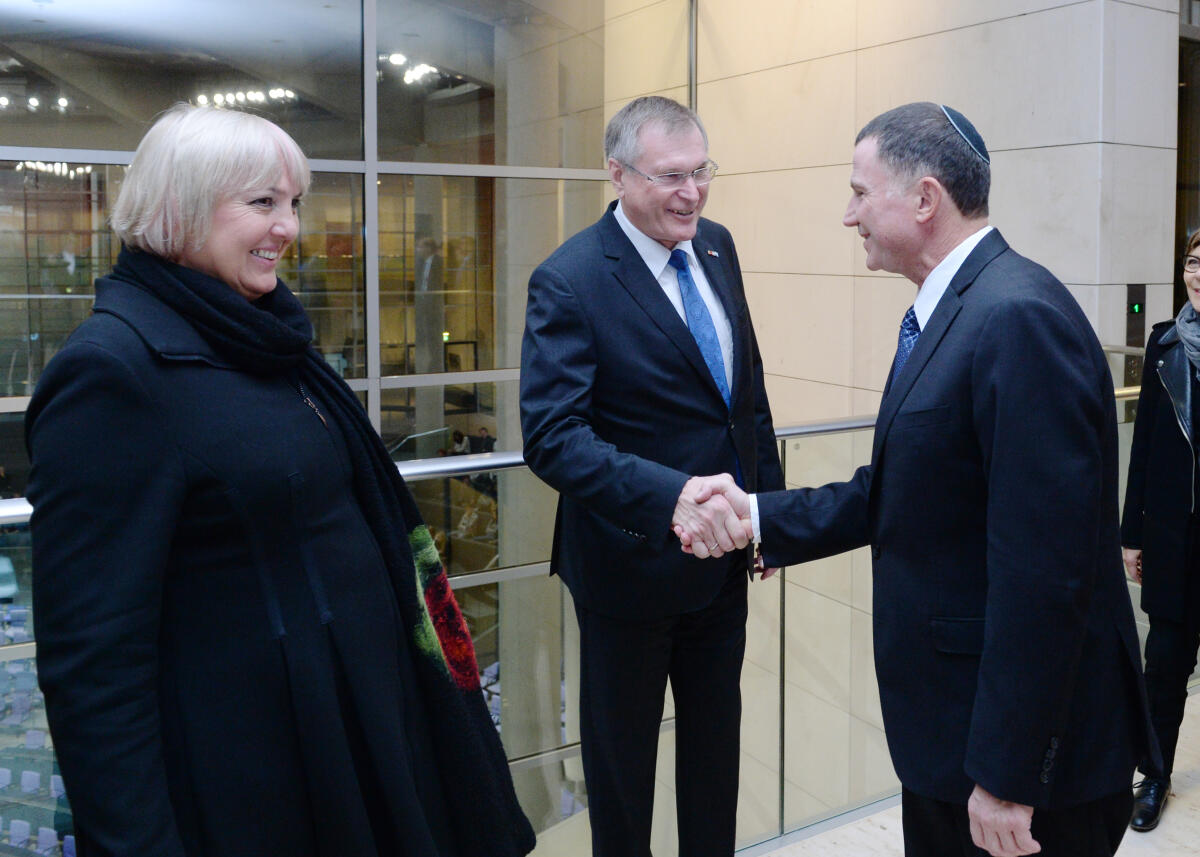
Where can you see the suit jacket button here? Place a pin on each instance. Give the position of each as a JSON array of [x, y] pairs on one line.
[[1045, 778], [875, 551]]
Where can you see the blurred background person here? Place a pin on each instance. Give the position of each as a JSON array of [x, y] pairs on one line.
[[246, 641], [1160, 530]]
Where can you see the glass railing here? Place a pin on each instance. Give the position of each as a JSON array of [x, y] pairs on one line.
[[813, 745]]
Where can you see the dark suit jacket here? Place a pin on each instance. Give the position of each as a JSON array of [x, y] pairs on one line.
[[1004, 638], [618, 410], [1160, 494]]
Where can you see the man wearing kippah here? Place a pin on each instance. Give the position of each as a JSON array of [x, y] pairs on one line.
[[1008, 664]]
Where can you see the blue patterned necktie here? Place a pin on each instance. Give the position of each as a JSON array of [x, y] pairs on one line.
[[909, 331], [700, 322]]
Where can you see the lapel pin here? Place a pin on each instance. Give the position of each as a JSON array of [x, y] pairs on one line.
[[714, 253]]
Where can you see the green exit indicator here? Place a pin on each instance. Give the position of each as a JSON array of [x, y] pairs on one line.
[[1135, 308]]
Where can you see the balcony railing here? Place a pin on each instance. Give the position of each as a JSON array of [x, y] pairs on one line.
[[813, 746]]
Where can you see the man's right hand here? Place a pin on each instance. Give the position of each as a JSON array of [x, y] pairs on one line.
[[1133, 563], [707, 516]]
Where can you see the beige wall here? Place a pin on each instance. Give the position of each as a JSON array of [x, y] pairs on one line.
[[1077, 103]]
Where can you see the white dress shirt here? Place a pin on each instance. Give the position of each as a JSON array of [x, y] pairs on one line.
[[657, 257], [928, 295]]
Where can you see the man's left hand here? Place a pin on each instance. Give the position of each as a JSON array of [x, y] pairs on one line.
[[1000, 827]]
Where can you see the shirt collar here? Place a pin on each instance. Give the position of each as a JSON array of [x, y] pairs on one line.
[[655, 255], [939, 278]]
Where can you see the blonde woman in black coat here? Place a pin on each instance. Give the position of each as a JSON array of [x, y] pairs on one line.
[[246, 641], [1160, 530]]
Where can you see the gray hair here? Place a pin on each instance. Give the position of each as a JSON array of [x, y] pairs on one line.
[[191, 160], [621, 141], [917, 140]]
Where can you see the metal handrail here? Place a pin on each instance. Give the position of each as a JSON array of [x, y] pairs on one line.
[[17, 510]]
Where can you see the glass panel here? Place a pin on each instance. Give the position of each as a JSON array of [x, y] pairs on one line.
[[32, 802], [16, 585], [55, 241], [453, 275], [324, 267], [488, 520], [759, 774], [94, 75], [527, 644], [495, 82], [835, 754], [427, 422]]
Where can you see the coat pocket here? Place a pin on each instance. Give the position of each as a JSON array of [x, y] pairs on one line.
[[924, 417], [957, 636]]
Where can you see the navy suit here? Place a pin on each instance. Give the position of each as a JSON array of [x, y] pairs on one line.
[[618, 410], [1005, 644]]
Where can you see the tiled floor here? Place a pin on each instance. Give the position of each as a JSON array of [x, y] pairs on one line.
[[879, 835]]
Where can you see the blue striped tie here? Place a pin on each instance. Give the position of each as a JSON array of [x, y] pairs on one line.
[[909, 331], [700, 322]]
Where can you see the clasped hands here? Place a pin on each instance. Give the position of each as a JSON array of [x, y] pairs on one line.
[[712, 517]]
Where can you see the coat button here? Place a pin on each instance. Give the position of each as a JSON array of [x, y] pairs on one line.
[[1054, 743], [875, 551], [1045, 778]]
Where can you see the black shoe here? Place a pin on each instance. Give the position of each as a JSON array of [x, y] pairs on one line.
[[1149, 801]]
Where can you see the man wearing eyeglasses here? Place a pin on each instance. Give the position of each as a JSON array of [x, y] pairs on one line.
[[639, 369]]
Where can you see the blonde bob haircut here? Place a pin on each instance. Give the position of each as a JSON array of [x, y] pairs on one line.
[[191, 160]]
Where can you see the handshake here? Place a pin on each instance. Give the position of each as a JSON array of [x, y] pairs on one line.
[[712, 517]]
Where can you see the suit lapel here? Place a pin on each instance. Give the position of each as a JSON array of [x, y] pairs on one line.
[[948, 307], [631, 272]]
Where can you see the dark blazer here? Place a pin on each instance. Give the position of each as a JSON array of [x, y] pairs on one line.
[[618, 410], [1004, 638], [1160, 491], [208, 597]]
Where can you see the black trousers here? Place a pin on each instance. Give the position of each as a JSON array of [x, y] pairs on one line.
[[1170, 658], [624, 667], [933, 828]]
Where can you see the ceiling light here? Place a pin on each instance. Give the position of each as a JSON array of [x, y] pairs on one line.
[[33, 103], [397, 59], [62, 102], [3, 101], [202, 99], [418, 72]]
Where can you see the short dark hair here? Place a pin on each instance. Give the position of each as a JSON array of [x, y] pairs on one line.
[[621, 136], [918, 139]]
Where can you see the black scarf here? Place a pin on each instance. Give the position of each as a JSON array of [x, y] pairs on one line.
[[272, 335]]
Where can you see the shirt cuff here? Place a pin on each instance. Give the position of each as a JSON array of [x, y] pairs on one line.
[[754, 518]]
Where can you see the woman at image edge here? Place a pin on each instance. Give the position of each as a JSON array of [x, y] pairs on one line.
[[246, 641], [1160, 529]]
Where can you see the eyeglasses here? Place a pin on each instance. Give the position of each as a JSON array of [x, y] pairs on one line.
[[673, 181], [1191, 264]]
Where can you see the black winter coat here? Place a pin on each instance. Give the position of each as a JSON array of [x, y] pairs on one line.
[[218, 641], [1159, 494]]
